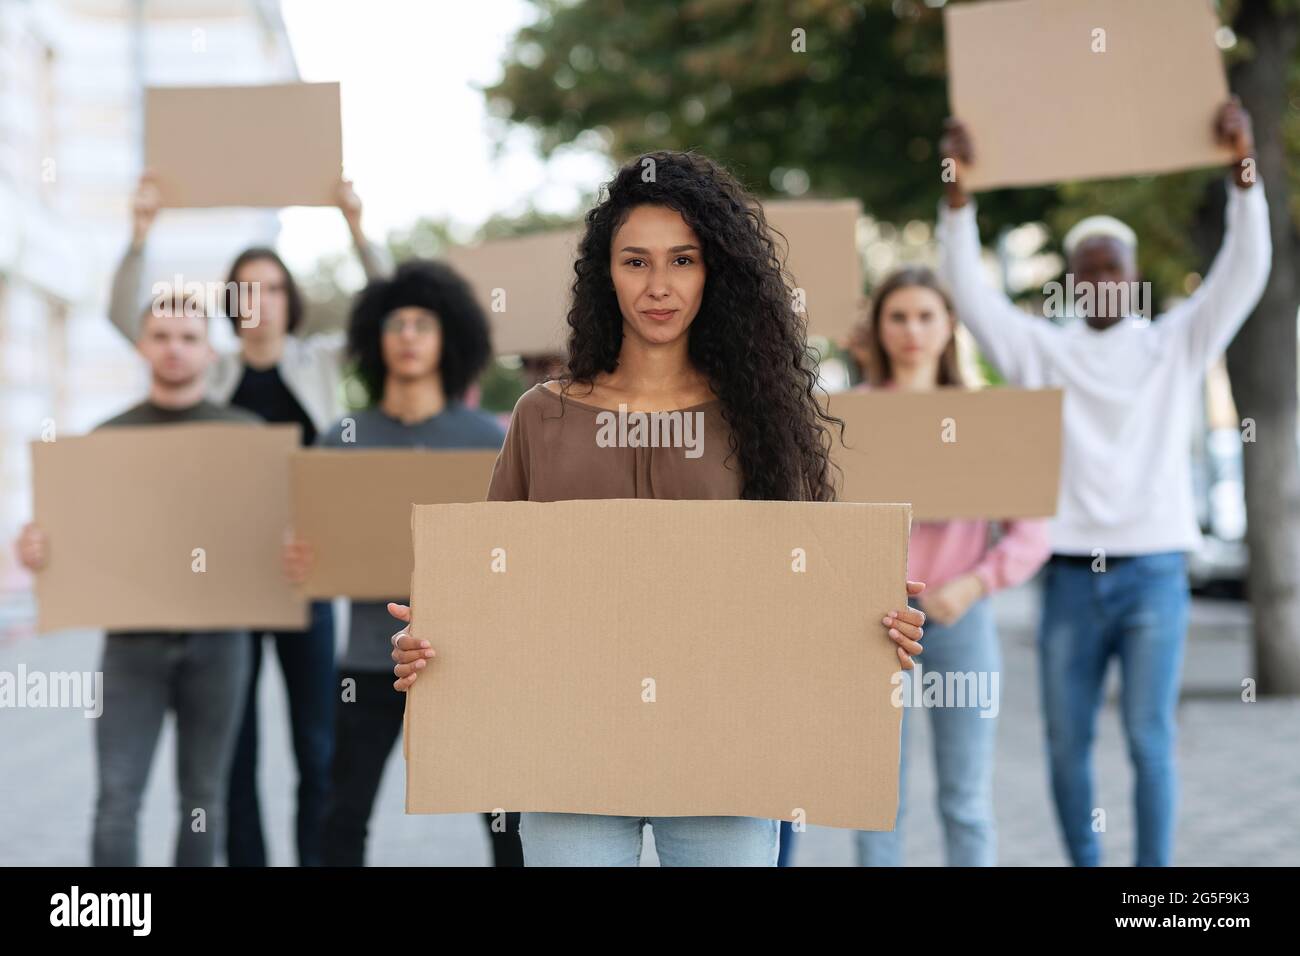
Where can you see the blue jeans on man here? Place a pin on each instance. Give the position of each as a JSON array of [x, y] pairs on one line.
[[1136, 610]]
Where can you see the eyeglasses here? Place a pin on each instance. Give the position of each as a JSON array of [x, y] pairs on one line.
[[396, 324]]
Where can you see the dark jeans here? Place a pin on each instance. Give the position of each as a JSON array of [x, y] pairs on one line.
[[367, 729], [307, 662], [202, 676]]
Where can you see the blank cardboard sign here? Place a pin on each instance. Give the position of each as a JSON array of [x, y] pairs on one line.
[[658, 658], [354, 508], [1056, 90], [525, 284], [823, 259], [953, 453], [126, 511], [192, 135]]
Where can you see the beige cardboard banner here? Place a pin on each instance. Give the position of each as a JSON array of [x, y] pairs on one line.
[[1057, 90], [524, 284], [292, 152], [658, 658], [953, 453], [353, 506], [166, 527]]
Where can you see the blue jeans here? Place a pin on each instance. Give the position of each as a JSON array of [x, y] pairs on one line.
[[307, 662], [964, 740], [584, 839], [1136, 610], [785, 857]]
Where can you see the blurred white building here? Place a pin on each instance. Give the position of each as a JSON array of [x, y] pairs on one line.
[[72, 74]]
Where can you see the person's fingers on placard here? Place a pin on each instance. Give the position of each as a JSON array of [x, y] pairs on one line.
[[297, 560], [910, 617], [956, 142], [904, 642], [348, 200], [406, 676], [904, 659], [914, 588], [411, 650], [408, 649], [31, 548]]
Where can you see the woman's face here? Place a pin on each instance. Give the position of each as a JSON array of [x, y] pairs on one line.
[[914, 327], [270, 311], [657, 264]]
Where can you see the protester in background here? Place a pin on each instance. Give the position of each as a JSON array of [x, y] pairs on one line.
[[281, 376], [419, 340], [912, 347], [200, 675], [1116, 585], [678, 304]]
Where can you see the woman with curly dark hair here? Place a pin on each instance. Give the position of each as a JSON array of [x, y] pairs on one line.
[[681, 313]]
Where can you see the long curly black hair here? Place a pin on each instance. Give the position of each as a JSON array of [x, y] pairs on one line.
[[436, 286], [747, 339]]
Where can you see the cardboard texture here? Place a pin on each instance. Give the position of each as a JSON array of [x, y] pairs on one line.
[[524, 284], [771, 687], [190, 134], [823, 259], [354, 508], [953, 453], [125, 508], [1042, 107]]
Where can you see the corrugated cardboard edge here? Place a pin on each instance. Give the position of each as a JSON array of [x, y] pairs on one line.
[[907, 557], [406, 711]]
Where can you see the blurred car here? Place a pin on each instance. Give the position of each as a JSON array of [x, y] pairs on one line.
[[1219, 566]]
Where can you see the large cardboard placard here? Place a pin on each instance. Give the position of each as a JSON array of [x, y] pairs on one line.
[[273, 145], [354, 508], [953, 453], [126, 510], [1045, 101], [525, 284], [658, 658]]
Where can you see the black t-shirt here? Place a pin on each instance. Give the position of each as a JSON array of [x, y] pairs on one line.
[[263, 392]]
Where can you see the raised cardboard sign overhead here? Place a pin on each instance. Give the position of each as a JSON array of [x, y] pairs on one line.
[[354, 508], [1056, 90], [166, 527], [525, 284], [274, 145], [953, 453], [658, 658]]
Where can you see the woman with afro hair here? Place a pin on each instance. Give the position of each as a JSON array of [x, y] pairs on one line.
[[418, 341]]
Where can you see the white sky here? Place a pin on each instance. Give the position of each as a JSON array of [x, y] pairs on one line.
[[415, 128]]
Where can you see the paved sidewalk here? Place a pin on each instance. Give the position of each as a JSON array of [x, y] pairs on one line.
[[1240, 766]]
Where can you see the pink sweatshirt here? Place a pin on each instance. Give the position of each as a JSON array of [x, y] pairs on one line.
[[940, 551], [943, 550]]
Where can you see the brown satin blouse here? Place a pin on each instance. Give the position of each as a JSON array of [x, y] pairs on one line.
[[553, 452]]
